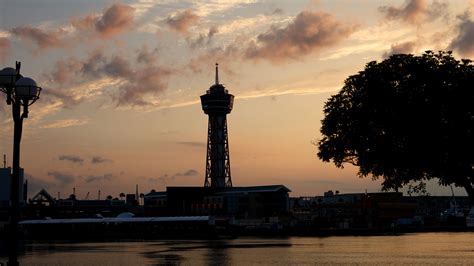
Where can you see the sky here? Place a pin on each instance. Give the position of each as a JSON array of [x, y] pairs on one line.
[[121, 84]]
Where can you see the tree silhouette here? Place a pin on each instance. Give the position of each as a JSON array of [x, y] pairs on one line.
[[122, 195], [109, 197], [408, 118]]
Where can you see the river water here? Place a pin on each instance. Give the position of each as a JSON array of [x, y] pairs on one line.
[[407, 249]]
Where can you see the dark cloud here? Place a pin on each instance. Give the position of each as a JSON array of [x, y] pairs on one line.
[[62, 178], [5, 46], [415, 11], [71, 158], [277, 11], [98, 160], [42, 38], [167, 178], [147, 81], [190, 172], [64, 70], [401, 48], [192, 143], [140, 81], [203, 39], [117, 66], [115, 19], [93, 178], [464, 41], [147, 56], [309, 32], [182, 21]]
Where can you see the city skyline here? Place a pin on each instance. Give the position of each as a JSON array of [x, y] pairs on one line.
[[122, 79]]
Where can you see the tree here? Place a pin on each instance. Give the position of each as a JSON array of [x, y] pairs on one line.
[[122, 196], [109, 197], [405, 119]]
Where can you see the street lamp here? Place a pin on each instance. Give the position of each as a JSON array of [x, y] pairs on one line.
[[21, 92]]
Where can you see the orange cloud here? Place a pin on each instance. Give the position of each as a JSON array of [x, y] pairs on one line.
[[43, 39], [181, 22], [5, 46], [115, 19], [309, 32], [415, 11], [401, 48], [411, 12]]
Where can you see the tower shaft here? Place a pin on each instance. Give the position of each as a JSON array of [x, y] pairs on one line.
[[217, 159], [217, 103]]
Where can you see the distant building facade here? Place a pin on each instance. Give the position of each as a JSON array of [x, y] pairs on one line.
[[5, 186], [239, 202]]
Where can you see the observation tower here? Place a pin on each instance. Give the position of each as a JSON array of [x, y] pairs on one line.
[[217, 103]]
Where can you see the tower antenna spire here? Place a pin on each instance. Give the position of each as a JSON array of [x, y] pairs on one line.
[[217, 73]]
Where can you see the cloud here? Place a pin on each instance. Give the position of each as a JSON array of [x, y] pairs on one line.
[[98, 160], [64, 70], [42, 38], [147, 81], [464, 41], [147, 56], [5, 46], [135, 84], [63, 123], [204, 39], [93, 178], [190, 172], [62, 178], [68, 101], [181, 22], [277, 11], [414, 11], [71, 158], [115, 19], [229, 54], [401, 48], [196, 144], [307, 33], [167, 178]]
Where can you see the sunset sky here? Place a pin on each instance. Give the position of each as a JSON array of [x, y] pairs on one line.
[[122, 79]]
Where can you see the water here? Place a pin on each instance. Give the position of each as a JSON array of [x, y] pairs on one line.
[[409, 249]]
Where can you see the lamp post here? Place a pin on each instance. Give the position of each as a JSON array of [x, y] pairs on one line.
[[21, 92]]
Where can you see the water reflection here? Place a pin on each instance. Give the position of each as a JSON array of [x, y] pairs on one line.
[[217, 253], [414, 249]]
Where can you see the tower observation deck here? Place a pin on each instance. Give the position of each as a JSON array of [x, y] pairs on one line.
[[217, 103]]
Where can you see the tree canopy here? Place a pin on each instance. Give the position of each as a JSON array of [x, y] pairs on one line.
[[407, 118]]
